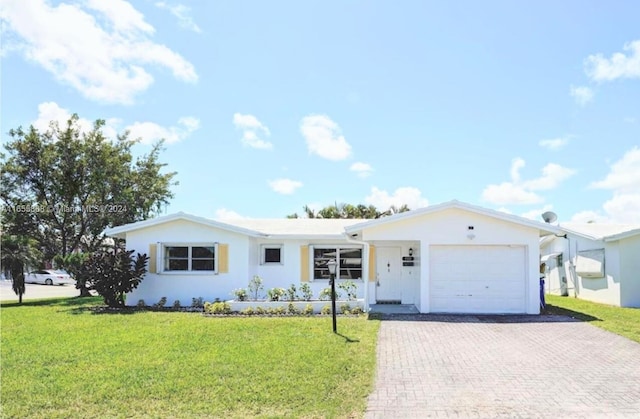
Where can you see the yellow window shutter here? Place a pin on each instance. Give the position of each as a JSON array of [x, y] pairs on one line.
[[223, 258], [153, 254], [304, 263], [372, 263]]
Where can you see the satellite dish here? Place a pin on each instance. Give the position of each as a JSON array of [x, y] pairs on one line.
[[549, 217]]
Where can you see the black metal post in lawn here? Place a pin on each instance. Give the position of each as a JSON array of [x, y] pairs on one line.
[[332, 279]]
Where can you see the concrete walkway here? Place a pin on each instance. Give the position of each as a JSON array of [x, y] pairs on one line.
[[503, 366]]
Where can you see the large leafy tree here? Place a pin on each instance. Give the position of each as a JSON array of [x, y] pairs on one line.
[[64, 186], [349, 211]]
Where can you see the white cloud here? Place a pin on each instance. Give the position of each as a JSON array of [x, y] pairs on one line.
[[523, 192], [623, 208], [536, 214], [150, 132], [582, 94], [588, 216], [363, 170], [552, 176], [252, 129], [516, 164], [108, 62], [624, 180], [284, 186], [182, 13], [555, 144], [323, 137], [226, 214], [408, 195], [619, 66], [624, 176], [51, 112], [508, 193], [122, 15]]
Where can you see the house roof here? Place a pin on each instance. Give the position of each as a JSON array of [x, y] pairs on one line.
[[318, 228], [268, 228], [544, 229], [296, 227], [120, 231], [597, 231]]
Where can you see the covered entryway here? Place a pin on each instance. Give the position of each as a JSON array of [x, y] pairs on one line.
[[388, 275], [477, 279]]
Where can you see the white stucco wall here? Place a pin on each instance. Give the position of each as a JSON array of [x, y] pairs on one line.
[[558, 278], [606, 289], [451, 227], [245, 255], [289, 271], [630, 272], [184, 286], [409, 276], [621, 284]]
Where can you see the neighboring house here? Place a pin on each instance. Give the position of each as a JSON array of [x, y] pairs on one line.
[[595, 262], [452, 257]]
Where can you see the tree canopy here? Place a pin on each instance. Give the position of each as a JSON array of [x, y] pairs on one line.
[[64, 186], [349, 211]]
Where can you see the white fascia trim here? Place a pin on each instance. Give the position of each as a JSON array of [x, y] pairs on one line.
[[308, 237], [546, 228], [120, 231], [578, 234], [621, 236]]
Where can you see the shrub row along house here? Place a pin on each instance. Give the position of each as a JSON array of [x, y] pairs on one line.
[[451, 257]]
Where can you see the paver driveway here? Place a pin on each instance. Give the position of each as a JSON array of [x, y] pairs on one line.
[[494, 366]]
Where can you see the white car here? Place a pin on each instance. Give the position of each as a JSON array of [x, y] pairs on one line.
[[49, 277]]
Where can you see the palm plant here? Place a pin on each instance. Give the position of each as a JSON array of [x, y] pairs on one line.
[[18, 252]]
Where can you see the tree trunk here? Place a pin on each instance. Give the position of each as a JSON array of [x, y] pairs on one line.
[[84, 291]]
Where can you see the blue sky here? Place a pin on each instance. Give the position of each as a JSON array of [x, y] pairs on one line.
[[268, 106]]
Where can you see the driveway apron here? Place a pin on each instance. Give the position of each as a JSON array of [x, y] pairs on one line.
[[503, 366]]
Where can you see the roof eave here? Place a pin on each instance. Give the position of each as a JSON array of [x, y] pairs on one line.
[[575, 233], [307, 237], [543, 228], [121, 231], [622, 236]]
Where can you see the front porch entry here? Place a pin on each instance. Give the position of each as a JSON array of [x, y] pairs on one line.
[[388, 275]]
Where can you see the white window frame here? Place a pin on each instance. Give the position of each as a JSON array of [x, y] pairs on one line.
[[312, 260], [162, 249], [263, 256]]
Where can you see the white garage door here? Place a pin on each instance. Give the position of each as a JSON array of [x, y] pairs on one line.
[[477, 279]]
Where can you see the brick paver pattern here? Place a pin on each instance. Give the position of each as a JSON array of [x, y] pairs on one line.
[[516, 367]]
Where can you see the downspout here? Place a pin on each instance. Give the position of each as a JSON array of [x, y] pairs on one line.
[[365, 278]]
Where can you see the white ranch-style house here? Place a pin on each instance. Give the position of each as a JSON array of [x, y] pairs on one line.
[[447, 258]]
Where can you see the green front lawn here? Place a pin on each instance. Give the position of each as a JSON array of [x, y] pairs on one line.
[[623, 321], [60, 359]]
